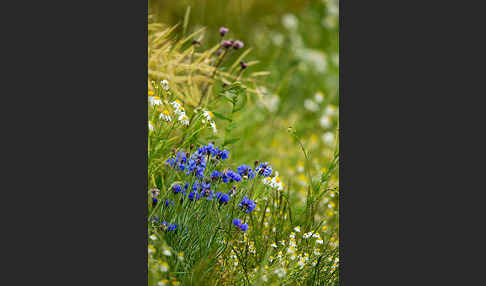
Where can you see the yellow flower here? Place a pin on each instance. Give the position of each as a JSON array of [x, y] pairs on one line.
[[150, 93]]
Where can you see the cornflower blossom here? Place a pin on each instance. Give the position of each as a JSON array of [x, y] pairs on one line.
[[238, 223], [264, 169], [222, 198], [180, 161], [165, 115], [177, 189], [245, 171], [247, 205]]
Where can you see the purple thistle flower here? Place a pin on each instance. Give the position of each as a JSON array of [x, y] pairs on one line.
[[243, 65], [238, 44], [223, 31], [226, 44]]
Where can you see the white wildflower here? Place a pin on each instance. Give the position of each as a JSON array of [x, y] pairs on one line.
[[165, 115], [310, 105], [319, 97]]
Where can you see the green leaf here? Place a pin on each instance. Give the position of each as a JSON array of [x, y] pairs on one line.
[[221, 116], [230, 141]]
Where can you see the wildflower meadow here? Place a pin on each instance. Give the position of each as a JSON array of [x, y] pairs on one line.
[[243, 145]]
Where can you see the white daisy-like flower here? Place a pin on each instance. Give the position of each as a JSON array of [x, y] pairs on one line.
[[310, 105], [316, 235], [273, 245], [164, 267], [184, 119], [292, 235], [151, 249], [291, 250], [314, 263], [297, 228], [280, 272], [301, 262], [274, 183], [155, 100], [213, 125], [319, 97], [151, 126], [161, 283], [328, 138], [165, 115], [176, 104], [166, 252], [307, 235], [180, 256], [325, 121], [330, 110], [165, 84], [316, 252], [208, 116], [153, 237], [319, 241]]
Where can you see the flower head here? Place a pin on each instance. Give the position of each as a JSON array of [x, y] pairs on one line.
[[238, 44], [245, 171], [226, 44], [247, 205], [223, 31]]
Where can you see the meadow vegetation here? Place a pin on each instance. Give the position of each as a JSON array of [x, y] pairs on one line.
[[243, 151]]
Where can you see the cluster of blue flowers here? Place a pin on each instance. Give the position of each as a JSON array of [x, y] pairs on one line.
[[164, 225], [168, 226], [239, 224], [247, 205]]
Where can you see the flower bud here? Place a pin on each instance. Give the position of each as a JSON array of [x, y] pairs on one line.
[[223, 31], [243, 65], [238, 44], [226, 44]]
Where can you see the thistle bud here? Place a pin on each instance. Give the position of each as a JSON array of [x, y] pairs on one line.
[[238, 44], [256, 163], [191, 147], [223, 31], [243, 65], [196, 42], [226, 44], [218, 52]]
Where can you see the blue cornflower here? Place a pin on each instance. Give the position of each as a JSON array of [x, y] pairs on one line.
[[237, 222], [194, 196], [215, 175], [163, 224], [177, 188], [205, 186], [167, 203], [247, 205], [244, 227], [264, 169], [223, 198], [195, 186], [172, 227], [244, 170], [224, 154], [233, 176]]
